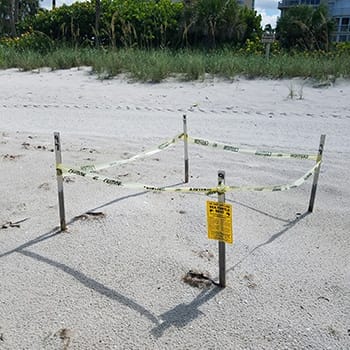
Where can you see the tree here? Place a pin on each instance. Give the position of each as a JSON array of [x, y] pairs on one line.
[[13, 16], [252, 24], [97, 22], [213, 22], [13, 11], [305, 28], [4, 17]]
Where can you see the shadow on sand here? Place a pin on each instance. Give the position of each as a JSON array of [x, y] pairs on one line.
[[56, 231], [183, 314], [94, 285], [276, 235], [179, 316]]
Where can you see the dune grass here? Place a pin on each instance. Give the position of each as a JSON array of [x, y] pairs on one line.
[[157, 65]]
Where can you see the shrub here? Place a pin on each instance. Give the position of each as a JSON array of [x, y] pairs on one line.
[[73, 24], [141, 23], [35, 41], [149, 23], [342, 48], [213, 23]]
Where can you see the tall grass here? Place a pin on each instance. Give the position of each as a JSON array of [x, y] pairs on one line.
[[157, 65]]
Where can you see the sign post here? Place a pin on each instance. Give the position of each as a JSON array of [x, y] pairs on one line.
[[60, 181], [219, 221], [267, 39], [222, 247], [317, 173], [185, 148]]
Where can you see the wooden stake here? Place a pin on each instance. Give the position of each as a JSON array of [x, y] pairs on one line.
[[60, 181], [317, 173], [186, 148]]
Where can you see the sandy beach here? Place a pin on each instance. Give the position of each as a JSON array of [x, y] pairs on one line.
[[114, 280]]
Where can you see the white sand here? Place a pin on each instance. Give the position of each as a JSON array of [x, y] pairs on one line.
[[115, 282]]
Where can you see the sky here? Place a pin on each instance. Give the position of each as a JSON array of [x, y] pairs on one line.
[[267, 9]]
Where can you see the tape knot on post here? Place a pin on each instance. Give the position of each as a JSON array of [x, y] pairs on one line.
[[222, 189], [59, 171]]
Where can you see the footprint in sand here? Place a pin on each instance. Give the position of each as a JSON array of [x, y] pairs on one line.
[[44, 186], [11, 156]]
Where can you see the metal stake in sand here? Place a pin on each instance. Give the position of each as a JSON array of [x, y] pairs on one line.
[[268, 38], [317, 173], [60, 181], [222, 247], [185, 148]]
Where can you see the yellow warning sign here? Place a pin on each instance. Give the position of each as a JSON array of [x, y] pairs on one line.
[[219, 221]]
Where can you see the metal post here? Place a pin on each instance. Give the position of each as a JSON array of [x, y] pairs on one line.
[[222, 247], [317, 173], [60, 181], [185, 148], [267, 50]]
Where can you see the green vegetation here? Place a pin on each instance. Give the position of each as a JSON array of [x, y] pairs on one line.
[[305, 28], [144, 23], [156, 65], [150, 40]]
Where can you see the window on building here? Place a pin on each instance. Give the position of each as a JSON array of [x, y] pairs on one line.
[[345, 21], [337, 24]]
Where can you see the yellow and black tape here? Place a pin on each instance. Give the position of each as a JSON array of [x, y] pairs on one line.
[[205, 190], [256, 152], [198, 141], [159, 148]]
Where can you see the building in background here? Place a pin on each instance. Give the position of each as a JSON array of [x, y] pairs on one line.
[[248, 3], [339, 10], [284, 5]]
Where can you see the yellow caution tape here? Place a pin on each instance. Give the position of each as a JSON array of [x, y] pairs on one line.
[[206, 190], [236, 149], [161, 147], [197, 141], [90, 170], [64, 170], [276, 188]]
